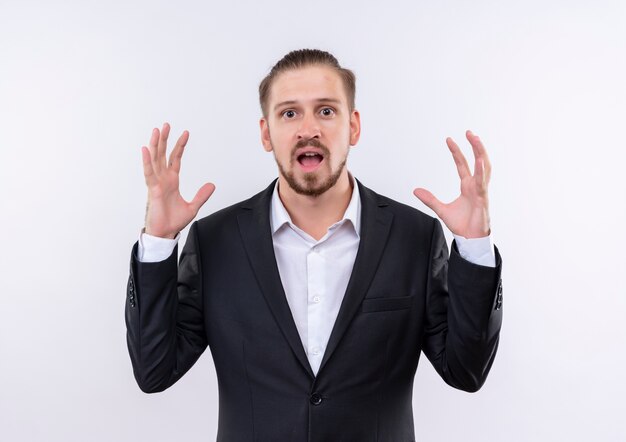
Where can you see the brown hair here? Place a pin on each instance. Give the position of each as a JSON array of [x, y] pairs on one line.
[[302, 58]]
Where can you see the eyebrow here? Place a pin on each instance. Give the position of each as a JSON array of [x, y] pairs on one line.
[[319, 100]]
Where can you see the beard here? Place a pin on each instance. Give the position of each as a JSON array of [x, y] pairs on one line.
[[312, 185]]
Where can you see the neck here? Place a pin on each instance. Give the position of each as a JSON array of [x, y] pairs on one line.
[[315, 214]]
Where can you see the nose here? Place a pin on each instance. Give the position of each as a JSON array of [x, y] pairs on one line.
[[309, 127]]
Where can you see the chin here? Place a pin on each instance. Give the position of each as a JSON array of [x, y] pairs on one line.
[[311, 183]]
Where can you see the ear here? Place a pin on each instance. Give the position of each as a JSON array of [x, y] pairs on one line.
[[265, 134], [355, 127]]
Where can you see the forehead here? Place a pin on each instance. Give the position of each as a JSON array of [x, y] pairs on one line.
[[307, 84]]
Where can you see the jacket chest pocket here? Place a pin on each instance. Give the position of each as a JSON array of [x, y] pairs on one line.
[[386, 304]]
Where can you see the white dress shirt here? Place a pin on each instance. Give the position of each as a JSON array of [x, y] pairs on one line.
[[315, 273]]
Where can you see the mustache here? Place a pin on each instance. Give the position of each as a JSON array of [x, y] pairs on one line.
[[313, 142]]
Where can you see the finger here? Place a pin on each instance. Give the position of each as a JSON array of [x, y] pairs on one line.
[[480, 153], [459, 159], [154, 145], [429, 199], [202, 196], [148, 171], [479, 173], [165, 132], [177, 153]]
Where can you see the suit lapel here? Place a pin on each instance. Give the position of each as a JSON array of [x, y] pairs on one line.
[[254, 225], [375, 226]]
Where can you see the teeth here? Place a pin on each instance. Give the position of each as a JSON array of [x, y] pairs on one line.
[[310, 154]]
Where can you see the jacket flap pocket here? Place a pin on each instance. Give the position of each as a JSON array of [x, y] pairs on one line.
[[386, 304]]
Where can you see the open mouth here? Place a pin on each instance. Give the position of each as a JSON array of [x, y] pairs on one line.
[[310, 160]]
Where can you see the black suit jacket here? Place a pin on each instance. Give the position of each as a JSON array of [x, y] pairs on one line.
[[404, 297]]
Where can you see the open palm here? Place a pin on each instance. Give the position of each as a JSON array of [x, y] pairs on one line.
[[468, 214], [167, 213]]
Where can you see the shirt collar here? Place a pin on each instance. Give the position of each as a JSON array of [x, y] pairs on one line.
[[279, 215]]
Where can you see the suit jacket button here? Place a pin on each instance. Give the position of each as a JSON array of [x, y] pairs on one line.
[[499, 295], [316, 399]]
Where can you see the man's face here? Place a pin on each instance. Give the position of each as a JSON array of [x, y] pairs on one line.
[[310, 128]]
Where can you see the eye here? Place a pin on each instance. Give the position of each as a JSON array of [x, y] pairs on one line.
[[289, 114], [328, 112]]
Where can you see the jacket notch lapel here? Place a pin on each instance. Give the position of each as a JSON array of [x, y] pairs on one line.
[[255, 229], [375, 226]]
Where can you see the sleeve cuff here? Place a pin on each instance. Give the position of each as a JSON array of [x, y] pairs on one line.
[[476, 250], [155, 249]]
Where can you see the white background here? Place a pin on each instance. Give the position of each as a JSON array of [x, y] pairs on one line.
[[83, 83]]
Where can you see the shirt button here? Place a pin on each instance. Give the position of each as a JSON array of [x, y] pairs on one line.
[[315, 350], [316, 299]]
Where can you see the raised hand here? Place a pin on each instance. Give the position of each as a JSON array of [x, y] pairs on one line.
[[468, 215], [167, 213]]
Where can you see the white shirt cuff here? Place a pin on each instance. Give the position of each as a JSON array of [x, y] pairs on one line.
[[155, 249], [477, 250]]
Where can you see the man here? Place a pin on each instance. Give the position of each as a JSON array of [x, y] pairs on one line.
[[317, 295]]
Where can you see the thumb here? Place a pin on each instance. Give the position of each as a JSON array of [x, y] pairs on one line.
[[428, 199], [202, 196]]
